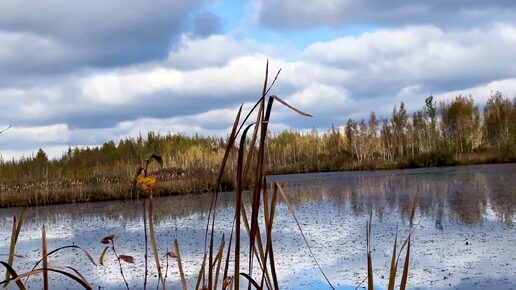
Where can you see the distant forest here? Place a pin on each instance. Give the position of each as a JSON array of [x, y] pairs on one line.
[[444, 133]]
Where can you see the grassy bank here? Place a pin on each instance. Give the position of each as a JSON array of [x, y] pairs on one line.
[[445, 134], [18, 193], [56, 191]]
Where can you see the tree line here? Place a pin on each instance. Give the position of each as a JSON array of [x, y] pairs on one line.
[[444, 133]]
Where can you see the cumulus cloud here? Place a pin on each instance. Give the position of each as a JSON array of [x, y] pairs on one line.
[[215, 50], [386, 61], [201, 78], [290, 14], [56, 36], [206, 24], [28, 137], [23, 52]]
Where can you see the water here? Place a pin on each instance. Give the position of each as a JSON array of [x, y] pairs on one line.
[[466, 236]]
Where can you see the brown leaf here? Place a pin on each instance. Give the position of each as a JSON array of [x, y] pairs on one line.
[[108, 239], [290, 107], [101, 258], [128, 259], [172, 255], [226, 282]]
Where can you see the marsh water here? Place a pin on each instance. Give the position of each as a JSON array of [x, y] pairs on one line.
[[465, 239]]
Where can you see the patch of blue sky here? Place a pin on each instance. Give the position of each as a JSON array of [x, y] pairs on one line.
[[303, 38], [232, 14]]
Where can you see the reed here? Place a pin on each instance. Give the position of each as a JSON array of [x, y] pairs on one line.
[[13, 276], [395, 254], [17, 225]]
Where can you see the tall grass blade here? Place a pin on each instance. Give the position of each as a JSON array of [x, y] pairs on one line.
[[12, 246], [13, 274], [219, 261], [146, 240], [290, 106], [180, 265], [266, 211], [14, 239], [228, 255], [238, 203], [370, 282], [90, 258], [44, 257], [213, 203], [252, 144], [273, 82], [264, 91], [292, 212], [77, 279], [251, 280], [154, 244], [255, 193], [269, 235], [394, 266], [260, 254], [255, 197], [201, 273], [269, 219], [404, 244], [404, 276], [258, 182], [79, 275]]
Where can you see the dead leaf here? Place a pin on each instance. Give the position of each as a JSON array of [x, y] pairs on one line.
[[226, 282], [128, 259], [172, 255], [101, 258], [108, 239]]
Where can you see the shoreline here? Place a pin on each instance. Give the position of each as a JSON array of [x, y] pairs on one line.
[[119, 188]]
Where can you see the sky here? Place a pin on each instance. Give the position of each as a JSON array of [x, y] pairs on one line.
[[81, 73]]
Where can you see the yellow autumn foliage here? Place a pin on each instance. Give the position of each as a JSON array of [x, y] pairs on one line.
[[147, 184]]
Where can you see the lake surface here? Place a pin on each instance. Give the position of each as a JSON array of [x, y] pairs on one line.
[[466, 238]]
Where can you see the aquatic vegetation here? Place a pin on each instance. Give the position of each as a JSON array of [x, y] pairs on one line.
[[110, 241], [14, 277], [395, 254]]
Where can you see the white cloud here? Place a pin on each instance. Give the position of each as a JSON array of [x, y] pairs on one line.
[[482, 93], [395, 58], [319, 98], [372, 46], [56, 36], [215, 50], [240, 74], [124, 87], [57, 133], [199, 86]]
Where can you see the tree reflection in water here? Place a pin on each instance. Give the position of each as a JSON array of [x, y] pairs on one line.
[[465, 194]]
